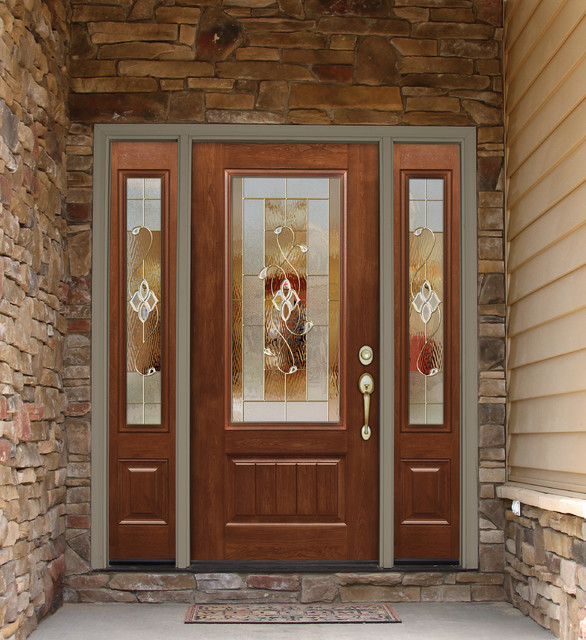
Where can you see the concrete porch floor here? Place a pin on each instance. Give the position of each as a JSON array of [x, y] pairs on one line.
[[420, 621]]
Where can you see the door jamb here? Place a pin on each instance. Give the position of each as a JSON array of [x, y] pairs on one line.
[[385, 136]]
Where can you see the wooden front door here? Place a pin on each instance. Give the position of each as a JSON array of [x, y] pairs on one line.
[[285, 287]]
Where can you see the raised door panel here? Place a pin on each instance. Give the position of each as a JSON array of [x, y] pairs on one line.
[[144, 491], [299, 490], [425, 494]]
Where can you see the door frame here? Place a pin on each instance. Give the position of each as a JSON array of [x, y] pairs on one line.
[[385, 137]]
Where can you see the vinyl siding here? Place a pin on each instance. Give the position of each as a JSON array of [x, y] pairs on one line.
[[545, 78]]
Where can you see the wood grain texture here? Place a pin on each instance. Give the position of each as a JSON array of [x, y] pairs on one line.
[[281, 491], [280, 542], [418, 447], [284, 487], [137, 531]]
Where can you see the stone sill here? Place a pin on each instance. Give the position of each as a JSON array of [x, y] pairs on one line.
[[543, 499]]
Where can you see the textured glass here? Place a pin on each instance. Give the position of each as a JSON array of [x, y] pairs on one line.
[[317, 364], [426, 295], [143, 292], [285, 279]]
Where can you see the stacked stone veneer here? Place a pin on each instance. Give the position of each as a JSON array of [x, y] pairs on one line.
[[33, 296], [408, 62], [546, 569], [338, 587]]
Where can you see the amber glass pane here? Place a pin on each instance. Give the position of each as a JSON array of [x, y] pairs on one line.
[[285, 284], [426, 291], [143, 291]]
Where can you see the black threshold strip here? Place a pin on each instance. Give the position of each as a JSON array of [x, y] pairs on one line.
[[168, 566], [132, 565], [288, 567]]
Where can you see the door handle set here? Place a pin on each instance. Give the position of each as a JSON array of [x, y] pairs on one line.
[[366, 386]]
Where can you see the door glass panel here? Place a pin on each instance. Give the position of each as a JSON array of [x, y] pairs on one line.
[[143, 293], [285, 298], [426, 291]]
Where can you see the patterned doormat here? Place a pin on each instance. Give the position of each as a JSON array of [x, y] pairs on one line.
[[291, 613]]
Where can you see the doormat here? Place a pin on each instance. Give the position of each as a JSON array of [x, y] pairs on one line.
[[291, 613]]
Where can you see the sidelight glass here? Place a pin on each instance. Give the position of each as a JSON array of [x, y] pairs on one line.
[[426, 292], [285, 298], [143, 293]]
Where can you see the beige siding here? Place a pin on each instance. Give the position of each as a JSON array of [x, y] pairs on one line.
[[545, 79]]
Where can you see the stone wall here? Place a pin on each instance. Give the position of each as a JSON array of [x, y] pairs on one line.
[[408, 62], [339, 587], [546, 569], [34, 36]]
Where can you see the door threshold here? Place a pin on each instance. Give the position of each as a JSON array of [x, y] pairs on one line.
[[431, 564], [284, 567]]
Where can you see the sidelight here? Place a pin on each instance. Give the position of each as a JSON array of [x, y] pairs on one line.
[[285, 233], [426, 294], [143, 292]]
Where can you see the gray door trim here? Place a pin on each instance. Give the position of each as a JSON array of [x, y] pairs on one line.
[[385, 137]]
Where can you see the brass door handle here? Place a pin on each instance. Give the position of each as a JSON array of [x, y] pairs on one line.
[[366, 386]]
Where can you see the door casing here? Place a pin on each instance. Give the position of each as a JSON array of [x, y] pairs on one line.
[[465, 137]]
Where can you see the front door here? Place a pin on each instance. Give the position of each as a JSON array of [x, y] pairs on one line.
[[285, 288]]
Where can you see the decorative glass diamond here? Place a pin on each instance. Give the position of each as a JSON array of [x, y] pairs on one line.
[[135, 301], [278, 300], [285, 300], [143, 301], [143, 313], [426, 302]]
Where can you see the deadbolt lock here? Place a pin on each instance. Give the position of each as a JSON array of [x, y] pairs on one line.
[[365, 355]]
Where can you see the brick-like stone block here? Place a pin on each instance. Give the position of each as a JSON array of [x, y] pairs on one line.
[[218, 35], [424, 579], [309, 116], [165, 69], [145, 51], [487, 593], [222, 581], [333, 73], [336, 96], [360, 26], [104, 595], [123, 108], [186, 596], [378, 579], [557, 543], [262, 71], [272, 96], [367, 593], [446, 593], [182, 15], [152, 581], [568, 575], [229, 101], [108, 32], [318, 589], [273, 583], [377, 62], [491, 557]]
